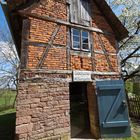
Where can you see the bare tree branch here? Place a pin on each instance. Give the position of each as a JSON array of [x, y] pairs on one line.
[[133, 74], [130, 55], [129, 38]]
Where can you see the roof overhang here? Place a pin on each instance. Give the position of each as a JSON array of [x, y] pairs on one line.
[[120, 31]]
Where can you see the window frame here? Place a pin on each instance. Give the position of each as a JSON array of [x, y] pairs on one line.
[[81, 40]]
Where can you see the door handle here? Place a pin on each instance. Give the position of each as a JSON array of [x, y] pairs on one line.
[[124, 103]]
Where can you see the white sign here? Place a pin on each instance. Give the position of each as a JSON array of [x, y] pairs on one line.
[[81, 76]]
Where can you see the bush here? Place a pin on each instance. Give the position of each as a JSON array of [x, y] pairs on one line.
[[129, 87], [136, 88]]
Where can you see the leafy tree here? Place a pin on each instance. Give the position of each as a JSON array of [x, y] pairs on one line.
[[128, 12], [9, 61]]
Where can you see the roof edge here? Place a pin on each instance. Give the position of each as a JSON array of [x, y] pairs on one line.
[[119, 29]]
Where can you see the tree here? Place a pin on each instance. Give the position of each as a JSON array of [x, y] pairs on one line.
[[9, 62], [128, 12]]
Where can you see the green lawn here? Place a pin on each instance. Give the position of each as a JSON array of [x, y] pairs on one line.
[[7, 98], [8, 111]]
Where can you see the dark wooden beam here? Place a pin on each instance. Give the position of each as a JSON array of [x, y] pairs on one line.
[[50, 43], [61, 22], [105, 52]]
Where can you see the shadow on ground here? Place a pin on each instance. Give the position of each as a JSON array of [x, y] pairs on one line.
[[7, 126]]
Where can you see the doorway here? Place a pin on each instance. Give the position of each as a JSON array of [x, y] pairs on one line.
[[79, 114]]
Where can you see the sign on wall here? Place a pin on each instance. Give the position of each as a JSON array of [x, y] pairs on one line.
[[81, 76]]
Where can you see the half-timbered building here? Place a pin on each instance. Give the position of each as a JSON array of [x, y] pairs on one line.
[[70, 78]]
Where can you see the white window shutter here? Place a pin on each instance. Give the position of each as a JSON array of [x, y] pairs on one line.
[[74, 11]]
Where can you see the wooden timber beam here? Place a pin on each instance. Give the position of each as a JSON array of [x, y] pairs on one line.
[[102, 52], [105, 52], [62, 22], [44, 55], [44, 71]]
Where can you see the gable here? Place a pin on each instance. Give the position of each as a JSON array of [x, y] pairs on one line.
[[118, 28], [15, 5]]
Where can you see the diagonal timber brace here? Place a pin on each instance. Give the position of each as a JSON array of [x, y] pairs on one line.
[[105, 53], [50, 43]]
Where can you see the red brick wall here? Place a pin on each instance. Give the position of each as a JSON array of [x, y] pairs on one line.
[[41, 31], [109, 42], [56, 58], [81, 63]]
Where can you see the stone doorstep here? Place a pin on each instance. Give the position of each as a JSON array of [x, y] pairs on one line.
[[81, 139], [84, 139]]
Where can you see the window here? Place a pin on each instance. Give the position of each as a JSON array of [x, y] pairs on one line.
[[80, 12], [80, 39]]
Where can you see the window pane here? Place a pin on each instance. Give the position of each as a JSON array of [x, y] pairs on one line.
[[85, 46], [76, 32], [80, 39], [85, 40], [76, 39], [76, 45], [84, 34]]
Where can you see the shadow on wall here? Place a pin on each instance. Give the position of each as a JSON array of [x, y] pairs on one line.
[[7, 126]]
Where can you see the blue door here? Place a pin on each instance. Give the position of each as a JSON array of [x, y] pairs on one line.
[[113, 110]]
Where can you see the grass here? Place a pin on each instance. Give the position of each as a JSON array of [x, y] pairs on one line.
[[8, 111], [7, 98]]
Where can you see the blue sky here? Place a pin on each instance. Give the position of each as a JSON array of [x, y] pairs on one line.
[[3, 24], [2, 18], [118, 10], [4, 27]]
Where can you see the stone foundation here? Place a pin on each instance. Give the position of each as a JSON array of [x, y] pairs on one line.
[[43, 108]]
